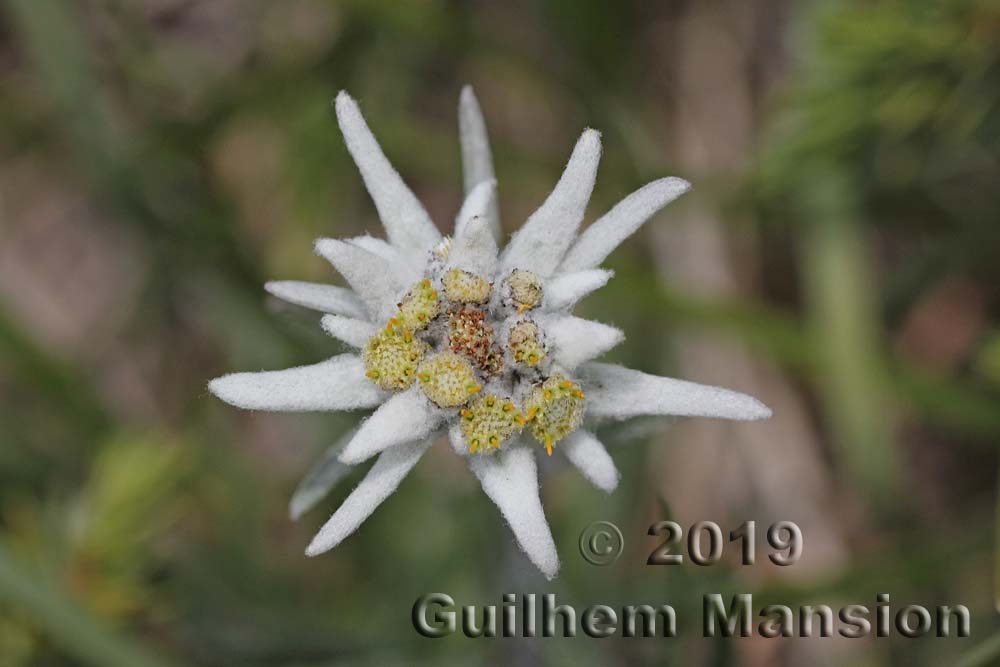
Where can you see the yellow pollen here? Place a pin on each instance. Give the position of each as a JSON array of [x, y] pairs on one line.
[[372, 374], [548, 446]]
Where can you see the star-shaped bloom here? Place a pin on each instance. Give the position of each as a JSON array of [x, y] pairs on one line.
[[455, 337]]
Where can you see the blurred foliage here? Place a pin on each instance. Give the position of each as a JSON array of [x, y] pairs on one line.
[[194, 146], [886, 144]]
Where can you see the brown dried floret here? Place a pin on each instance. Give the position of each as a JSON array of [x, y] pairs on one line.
[[470, 335]]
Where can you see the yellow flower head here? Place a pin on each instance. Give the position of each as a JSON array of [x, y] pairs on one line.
[[489, 421], [391, 358], [555, 409], [448, 379]]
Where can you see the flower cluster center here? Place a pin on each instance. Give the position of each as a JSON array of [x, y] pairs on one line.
[[472, 346]]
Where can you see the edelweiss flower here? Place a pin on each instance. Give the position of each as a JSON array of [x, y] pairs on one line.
[[455, 337]]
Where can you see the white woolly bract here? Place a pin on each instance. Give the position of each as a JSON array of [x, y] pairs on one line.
[[619, 392], [405, 417], [350, 330], [575, 340], [477, 159], [406, 221], [380, 482], [598, 240], [476, 205], [338, 383], [586, 452], [510, 479], [474, 250], [371, 276], [324, 298], [564, 290], [540, 244], [322, 477], [406, 269]]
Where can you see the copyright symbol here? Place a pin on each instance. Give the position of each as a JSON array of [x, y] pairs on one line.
[[601, 543]]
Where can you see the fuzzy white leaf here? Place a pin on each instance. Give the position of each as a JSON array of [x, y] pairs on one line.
[[510, 479], [371, 276], [475, 250], [598, 240], [477, 160], [565, 289], [339, 383], [540, 244], [406, 416], [324, 298], [354, 332], [476, 205], [380, 482], [619, 392], [322, 477], [457, 440], [406, 222], [406, 267], [575, 340], [586, 452]]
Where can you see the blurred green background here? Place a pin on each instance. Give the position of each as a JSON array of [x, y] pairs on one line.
[[839, 258]]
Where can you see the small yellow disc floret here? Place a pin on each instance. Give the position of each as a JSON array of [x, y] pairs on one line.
[[466, 287], [524, 342], [525, 289], [391, 358], [489, 421], [448, 379], [418, 307], [555, 409]]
